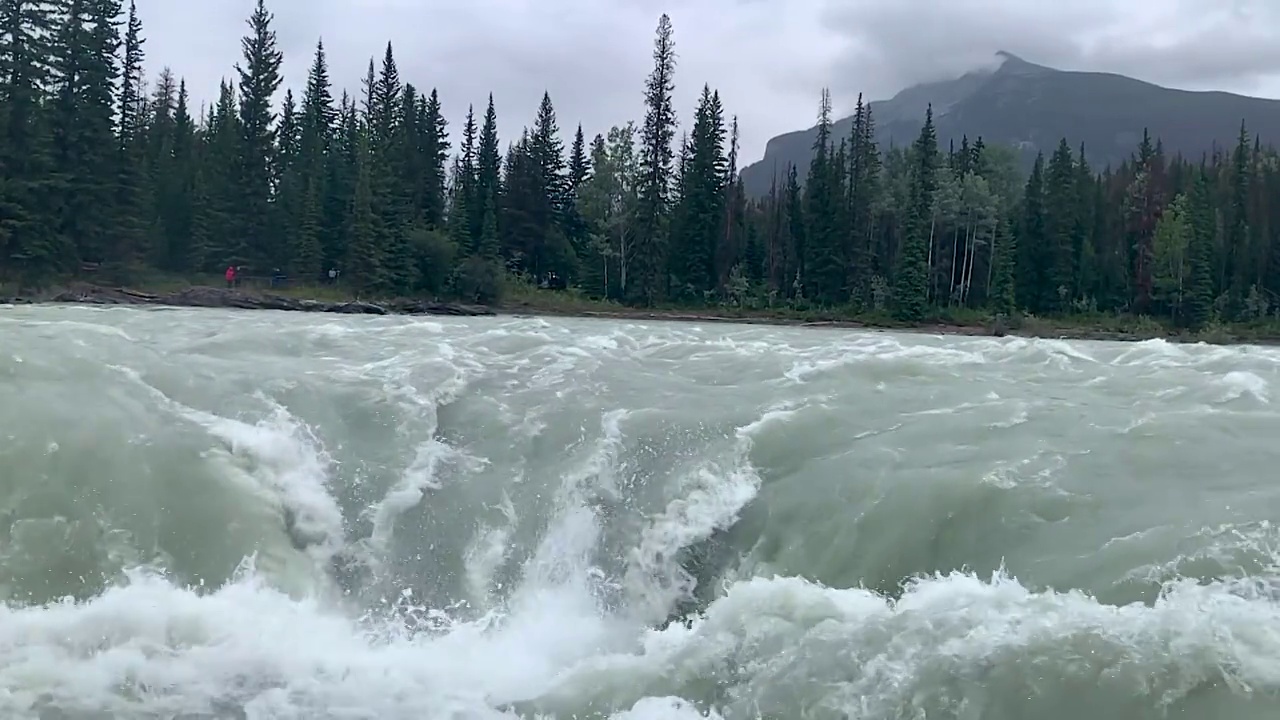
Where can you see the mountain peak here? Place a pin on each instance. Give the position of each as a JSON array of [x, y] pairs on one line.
[[1030, 108], [1011, 63]]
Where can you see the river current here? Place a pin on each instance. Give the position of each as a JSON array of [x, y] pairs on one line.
[[268, 516]]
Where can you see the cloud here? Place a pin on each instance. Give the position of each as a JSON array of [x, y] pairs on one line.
[[768, 58], [591, 55], [1231, 45]]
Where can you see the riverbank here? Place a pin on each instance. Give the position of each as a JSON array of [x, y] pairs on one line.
[[1100, 327], [199, 296], [548, 303]]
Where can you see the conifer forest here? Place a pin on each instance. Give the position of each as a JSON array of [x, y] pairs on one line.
[[106, 172]]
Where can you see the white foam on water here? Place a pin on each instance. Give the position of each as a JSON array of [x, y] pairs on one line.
[[951, 646], [708, 499], [278, 458], [1239, 383], [786, 647]]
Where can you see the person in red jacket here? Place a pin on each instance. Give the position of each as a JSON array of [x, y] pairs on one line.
[[231, 276]]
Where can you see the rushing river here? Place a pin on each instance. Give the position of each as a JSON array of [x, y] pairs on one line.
[[260, 515]]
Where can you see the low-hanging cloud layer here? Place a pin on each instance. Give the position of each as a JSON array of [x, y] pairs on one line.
[[768, 58]]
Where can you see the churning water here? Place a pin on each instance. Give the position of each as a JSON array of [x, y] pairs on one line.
[[211, 514]]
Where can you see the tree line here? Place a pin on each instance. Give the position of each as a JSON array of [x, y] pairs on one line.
[[99, 170]]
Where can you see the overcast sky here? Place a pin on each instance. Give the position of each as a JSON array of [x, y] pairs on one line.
[[768, 58]]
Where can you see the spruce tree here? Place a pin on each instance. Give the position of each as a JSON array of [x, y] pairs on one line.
[[1060, 224], [701, 201], [1032, 244], [863, 176], [911, 287], [289, 188], [551, 252], [131, 238], [221, 167], [794, 226], [579, 173], [364, 254], [646, 281], [339, 184], [28, 209], [738, 250], [435, 150], [84, 64], [1199, 292], [526, 213], [464, 196], [1143, 203], [130, 123], [1084, 248], [1241, 261], [1003, 292], [825, 262], [175, 190], [488, 179], [548, 153], [384, 120], [259, 78], [315, 140]]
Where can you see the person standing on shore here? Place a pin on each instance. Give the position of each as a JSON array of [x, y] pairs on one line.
[[231, 276]]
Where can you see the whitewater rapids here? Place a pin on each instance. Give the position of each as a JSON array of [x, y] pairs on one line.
[[268, 516]]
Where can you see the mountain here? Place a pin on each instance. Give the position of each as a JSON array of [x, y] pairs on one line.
[[1032, 107]]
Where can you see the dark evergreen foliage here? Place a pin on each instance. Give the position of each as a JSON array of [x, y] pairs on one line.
[[103, 178]]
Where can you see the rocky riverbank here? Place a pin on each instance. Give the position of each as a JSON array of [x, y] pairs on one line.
[[212, 297], [216, 297]]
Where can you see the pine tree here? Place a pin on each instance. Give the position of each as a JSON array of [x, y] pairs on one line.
[[83, 60], [488, 179], [130, 124], [795, 241], [1199, 291], [647, 282], [1003, 293], [911, 288], [701, 201], [28, 209], [1031, 242], [383, 107], [339, 184], [863, 188], [384, 119], [1142, 212], [221, 167], [175, 191], [1060, 224], [579, 173], [1084, 249], [464, 193], [435, 150], [525, 211], [550, 253], [548, 153], [259, 78], [739, 250], [128, 237], [825, 263], [364, 259], [1241, 260], [315, 140]]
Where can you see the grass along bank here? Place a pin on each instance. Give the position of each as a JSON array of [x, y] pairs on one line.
[[523, 299], [520, 298]]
